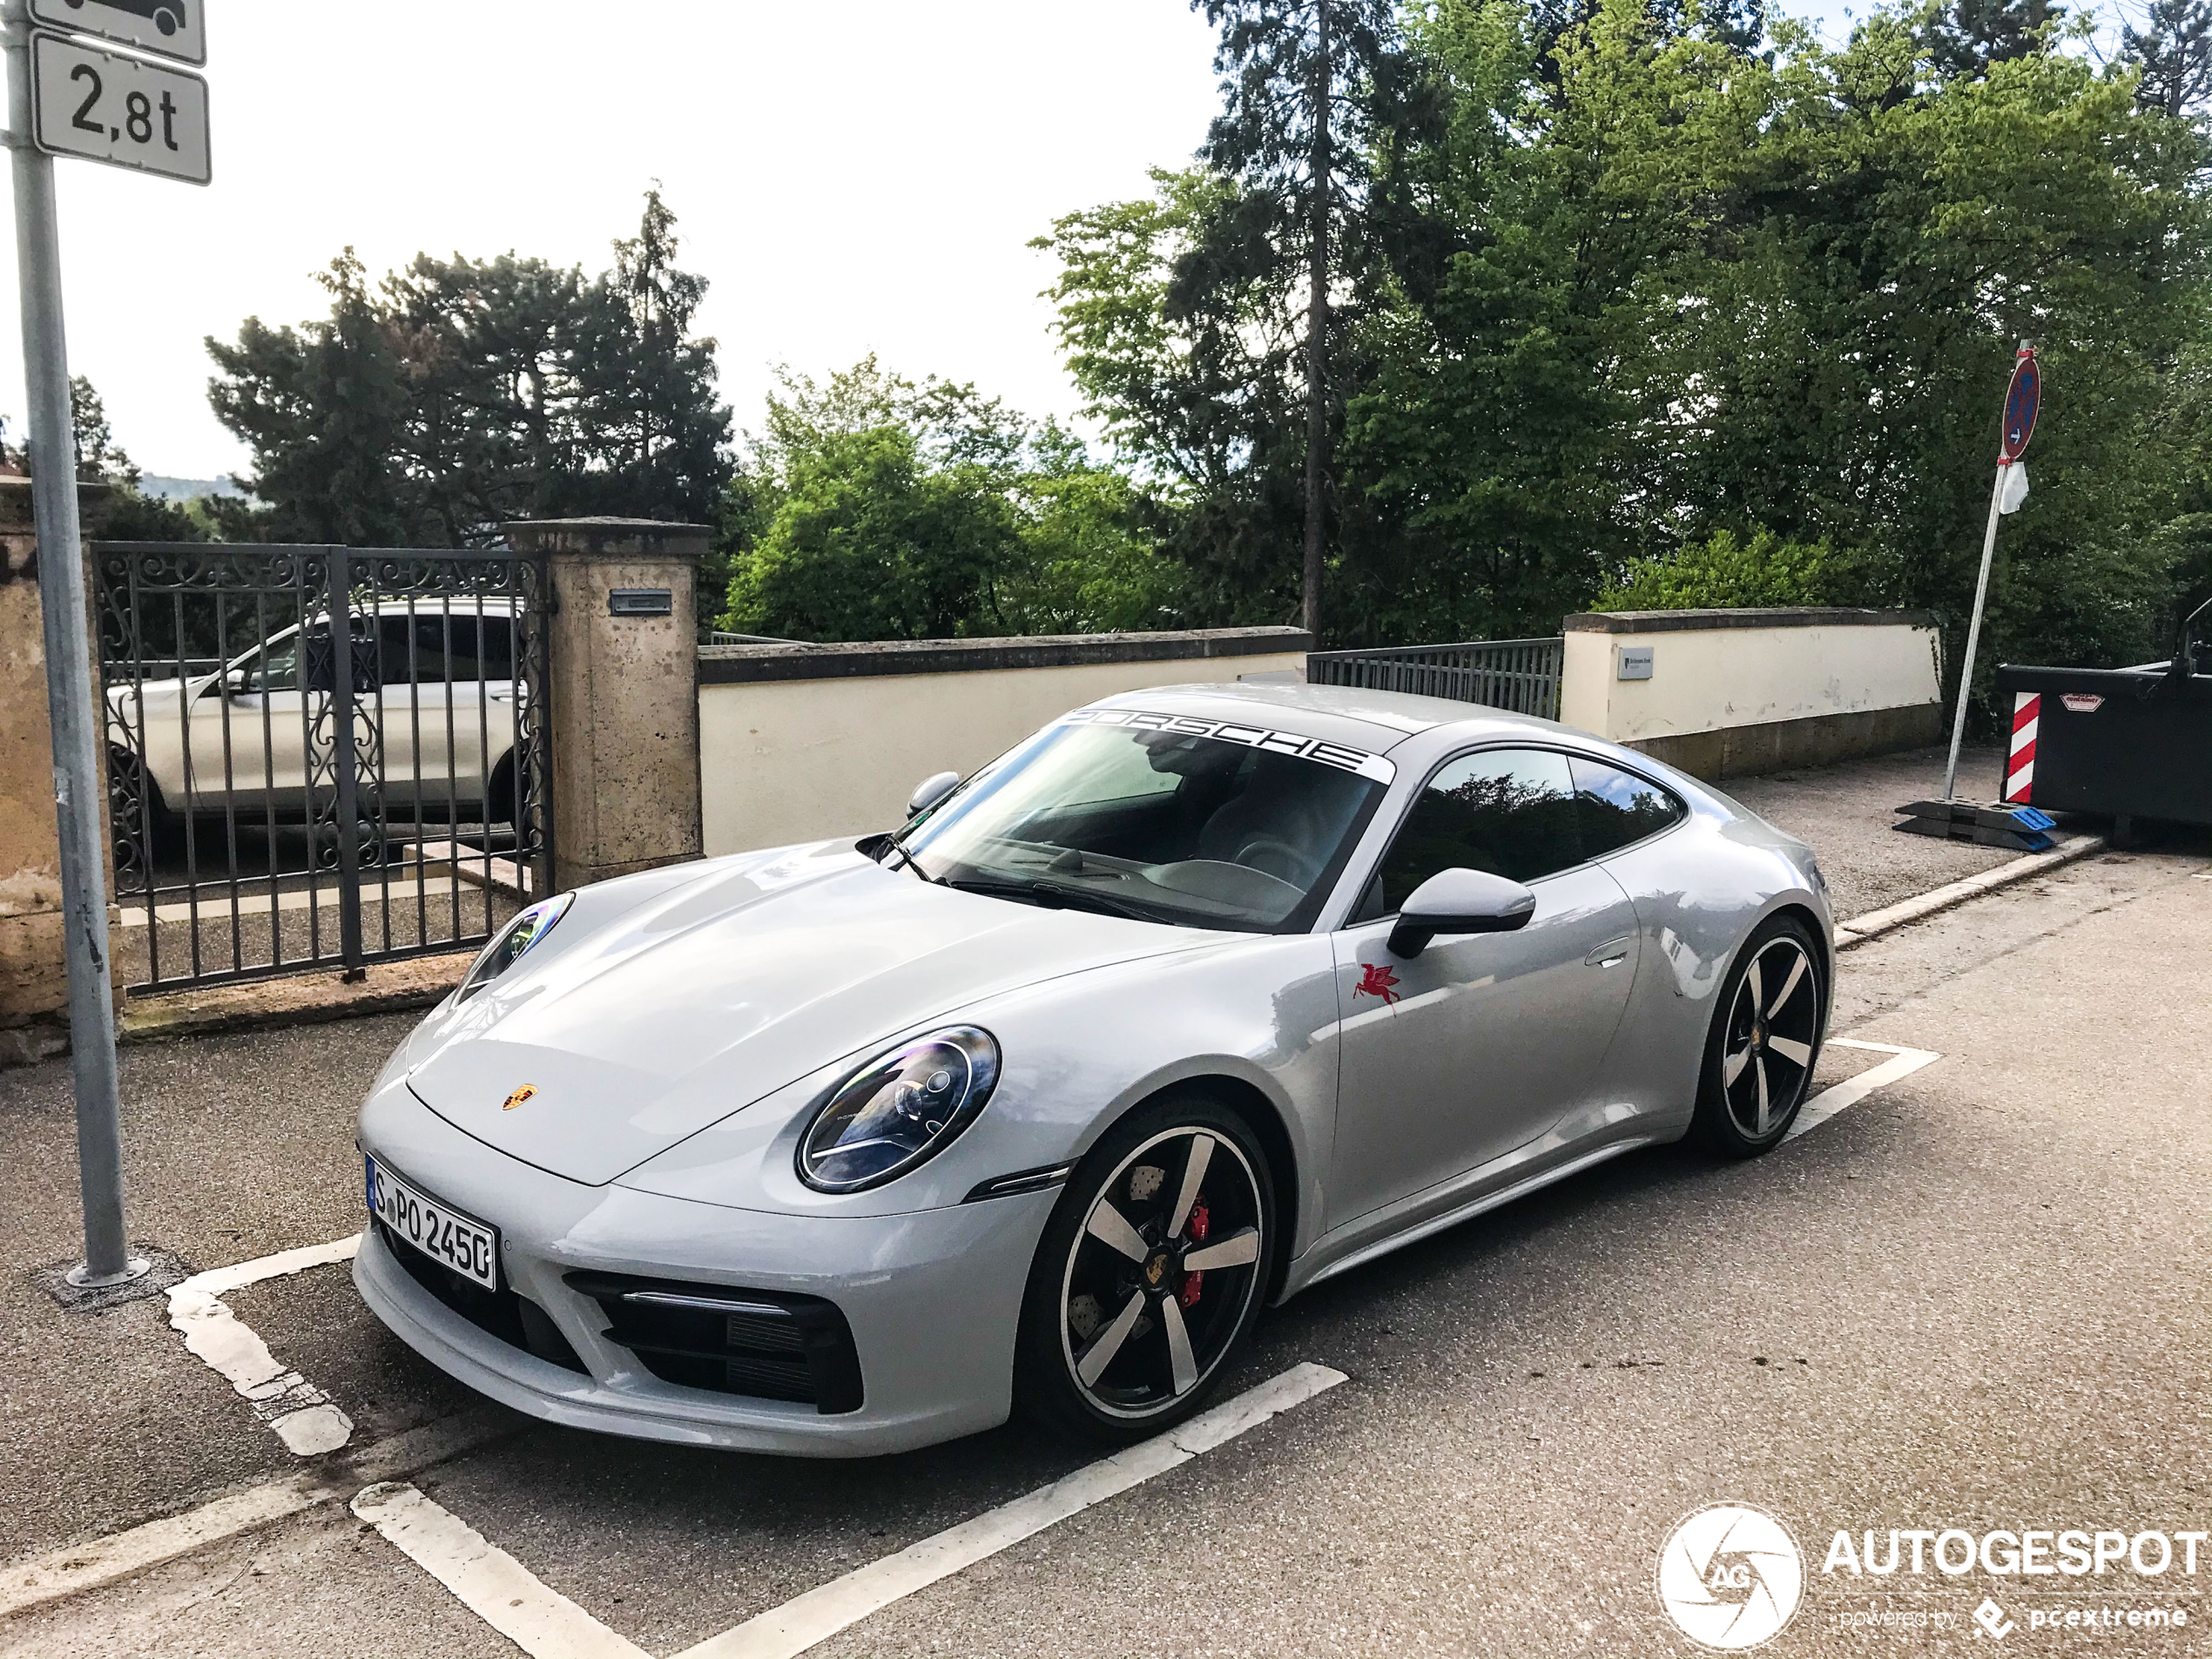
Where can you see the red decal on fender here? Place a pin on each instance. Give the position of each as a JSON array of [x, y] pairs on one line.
[[1377, 980]]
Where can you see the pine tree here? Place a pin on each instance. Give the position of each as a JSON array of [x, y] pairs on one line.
[[1964, 37], [2174, 52], [1318, 97], [461, 393]]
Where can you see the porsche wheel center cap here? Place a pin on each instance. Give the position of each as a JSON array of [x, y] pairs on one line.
[[1156, 1269]]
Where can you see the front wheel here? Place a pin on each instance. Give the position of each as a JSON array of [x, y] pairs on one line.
[[1764, 1042], [1149, 1275]]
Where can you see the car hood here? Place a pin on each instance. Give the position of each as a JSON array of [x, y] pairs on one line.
[[640, 1031], [125, 695]]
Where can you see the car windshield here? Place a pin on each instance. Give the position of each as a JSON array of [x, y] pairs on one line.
[[1244, 830]]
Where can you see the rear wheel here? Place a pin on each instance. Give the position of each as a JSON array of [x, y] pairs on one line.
[[1765, 1041], [499, 804], [145, 829], [1150, 1274]]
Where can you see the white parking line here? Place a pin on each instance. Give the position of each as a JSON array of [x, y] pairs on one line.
[[820, 1613], [492, 1584], [547, 1625], [1825, 1104], [79, 1568], [307, 1420]]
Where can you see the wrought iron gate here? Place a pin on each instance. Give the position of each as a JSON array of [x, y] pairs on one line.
[[279, 803]]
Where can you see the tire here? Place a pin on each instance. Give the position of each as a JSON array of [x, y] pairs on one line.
[[1764, 1042], [499, 798], [129, 786], [1120, 1340]]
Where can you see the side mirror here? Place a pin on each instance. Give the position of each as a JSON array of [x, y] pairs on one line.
[[1460, 902], [929, 791]]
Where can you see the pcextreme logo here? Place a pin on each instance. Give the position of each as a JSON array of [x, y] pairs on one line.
[[1730, 1577]]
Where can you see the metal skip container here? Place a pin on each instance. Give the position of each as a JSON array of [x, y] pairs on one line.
[[2123, 743]]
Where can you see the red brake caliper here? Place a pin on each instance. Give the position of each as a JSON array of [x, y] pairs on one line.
[[1199, 1221]]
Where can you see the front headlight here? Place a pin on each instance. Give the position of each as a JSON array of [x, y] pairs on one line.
[[899, 1110], [508, 947]]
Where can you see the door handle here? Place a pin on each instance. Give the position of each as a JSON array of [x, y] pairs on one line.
[[1611, 954]]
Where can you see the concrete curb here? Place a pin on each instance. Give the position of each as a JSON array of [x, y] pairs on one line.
[[308, 999], [1875, 923]]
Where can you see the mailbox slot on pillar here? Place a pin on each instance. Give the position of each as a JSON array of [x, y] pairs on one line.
[[641, 602]]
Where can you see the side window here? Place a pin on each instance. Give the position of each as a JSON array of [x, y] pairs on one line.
[[468, 661], [275, 667], [395, 663], [1510, 812], [1616, 808], [497, 662]]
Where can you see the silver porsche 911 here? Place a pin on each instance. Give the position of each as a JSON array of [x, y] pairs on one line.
[[1196, 998]]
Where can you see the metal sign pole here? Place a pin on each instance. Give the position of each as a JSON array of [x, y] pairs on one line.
[[69, 696], [2023, 402], [1973, 632]]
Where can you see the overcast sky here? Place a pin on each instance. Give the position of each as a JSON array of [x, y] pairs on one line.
[[857, 177]]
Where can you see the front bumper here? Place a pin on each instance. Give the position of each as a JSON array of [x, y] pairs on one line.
[[933, 1298]]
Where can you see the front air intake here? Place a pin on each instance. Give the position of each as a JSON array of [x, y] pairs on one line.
[[766, 1344]]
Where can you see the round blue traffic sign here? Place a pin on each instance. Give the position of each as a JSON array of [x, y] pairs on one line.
[[2021, 402]]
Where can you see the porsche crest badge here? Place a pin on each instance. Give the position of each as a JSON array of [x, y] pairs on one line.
[[520, 1097]]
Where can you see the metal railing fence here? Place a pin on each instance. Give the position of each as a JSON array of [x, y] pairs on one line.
[[1521, 675]]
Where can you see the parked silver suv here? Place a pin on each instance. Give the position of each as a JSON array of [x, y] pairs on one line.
[[438, 690]]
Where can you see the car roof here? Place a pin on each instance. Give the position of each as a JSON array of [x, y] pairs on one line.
[[1375, 721]]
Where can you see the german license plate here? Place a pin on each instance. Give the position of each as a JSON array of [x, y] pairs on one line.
[[447, 1236]]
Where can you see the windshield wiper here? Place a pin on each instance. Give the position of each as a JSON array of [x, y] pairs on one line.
[[1068, 898], [890, 846]]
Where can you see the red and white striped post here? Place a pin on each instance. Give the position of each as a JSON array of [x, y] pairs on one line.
[[2020, 765]]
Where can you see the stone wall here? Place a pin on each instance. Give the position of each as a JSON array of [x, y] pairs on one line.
[[1732, 693], [798, 742], [623, 697], [34, 982]]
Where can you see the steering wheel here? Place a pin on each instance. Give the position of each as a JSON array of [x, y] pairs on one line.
[[1270, 855]]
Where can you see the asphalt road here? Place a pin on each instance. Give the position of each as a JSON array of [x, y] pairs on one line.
[[1973, 1301]]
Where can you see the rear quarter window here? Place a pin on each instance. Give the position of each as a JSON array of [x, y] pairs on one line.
[[1615, 809]]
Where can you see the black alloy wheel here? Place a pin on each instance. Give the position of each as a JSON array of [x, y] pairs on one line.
[[1150, 1273], [1765, 1042]]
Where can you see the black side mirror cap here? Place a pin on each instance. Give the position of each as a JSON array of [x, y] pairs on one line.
[[929, 791], [1461, 901]]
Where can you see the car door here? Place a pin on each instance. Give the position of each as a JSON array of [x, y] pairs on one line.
[[1481, 1043], [465, 697], [257, 705]]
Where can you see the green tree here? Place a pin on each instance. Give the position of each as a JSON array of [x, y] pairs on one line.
[[1091, 559], [1964, 37], [1318, 95], [874, 507], [461, 394], [868, 542], [2173, 55], [324, 409], [1723, 572]]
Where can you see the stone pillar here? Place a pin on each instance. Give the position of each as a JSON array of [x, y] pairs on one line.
[[34, 978], [623, 657]]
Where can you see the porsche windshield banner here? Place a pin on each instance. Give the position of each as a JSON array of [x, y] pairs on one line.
[[1251, 737]]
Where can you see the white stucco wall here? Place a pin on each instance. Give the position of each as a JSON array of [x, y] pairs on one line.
[[793, 760], [1711, 679]]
